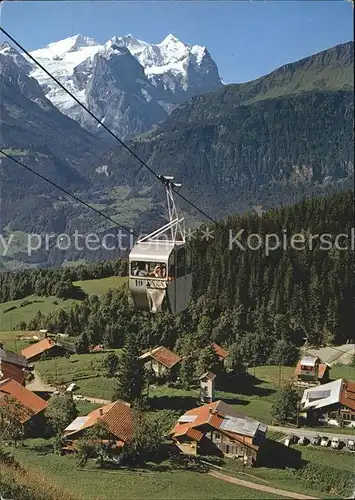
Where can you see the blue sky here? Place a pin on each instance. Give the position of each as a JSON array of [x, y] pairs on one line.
[[246, 39]]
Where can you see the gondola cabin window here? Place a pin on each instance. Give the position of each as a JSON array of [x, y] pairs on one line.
[[148, 269]]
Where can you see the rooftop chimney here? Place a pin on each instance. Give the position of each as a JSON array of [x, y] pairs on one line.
[[101, 412]]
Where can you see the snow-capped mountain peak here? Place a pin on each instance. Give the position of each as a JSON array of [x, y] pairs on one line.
[[70, 44], [168, 73], [168, 40], [83, 41], [199, 52], [7, 50], [113, 47], [130, 41]]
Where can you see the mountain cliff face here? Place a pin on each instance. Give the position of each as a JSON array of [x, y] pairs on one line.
[[34, 128], [143, 81], [120, 93], [35, 132]]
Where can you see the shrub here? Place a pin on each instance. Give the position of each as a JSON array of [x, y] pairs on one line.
[[325, 478]]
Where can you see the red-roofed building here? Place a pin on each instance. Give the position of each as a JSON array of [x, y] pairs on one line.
[[8, 370], [96, 348], [13, 365], [117, 416], [161, 361], [310, 370], [347, 401], [332, 403], [47, 346], [32, 406], [221, 353], [217, 429]]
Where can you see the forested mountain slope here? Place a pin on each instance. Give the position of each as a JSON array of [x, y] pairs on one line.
[[267, 152], [331, 69]]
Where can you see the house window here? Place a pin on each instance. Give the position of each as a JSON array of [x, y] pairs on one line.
[[346, 416], [227, 448], [217, 436]]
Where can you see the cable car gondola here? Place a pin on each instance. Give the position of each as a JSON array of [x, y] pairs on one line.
[[160, 270]]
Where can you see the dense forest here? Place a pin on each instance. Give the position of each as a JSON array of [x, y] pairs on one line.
[[260, 304], [59, 282]]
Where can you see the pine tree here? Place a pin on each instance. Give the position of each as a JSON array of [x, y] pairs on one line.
[[131, 380], [187, 372], [207, 360], [285, 405]]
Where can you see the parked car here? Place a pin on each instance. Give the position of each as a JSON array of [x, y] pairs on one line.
[[71, 387], [324, 441], [303, 441], [78, 397], [335, 443], [351, 444], [291, 439], [315, 440], [288, 440]]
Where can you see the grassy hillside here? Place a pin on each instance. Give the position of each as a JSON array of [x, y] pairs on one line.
[[254, 398], [12, 312], [343, 371], [162, 481], [331, 70], [85, 370], [12, 342], [264, 142], [30, 484], [101, 286], [153, 482]]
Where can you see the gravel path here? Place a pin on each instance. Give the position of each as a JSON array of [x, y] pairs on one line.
[[259, 487]]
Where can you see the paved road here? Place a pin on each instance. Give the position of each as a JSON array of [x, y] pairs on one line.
[[335, 354], [310, 432], [259, 487], [97, 400], [38, 384]]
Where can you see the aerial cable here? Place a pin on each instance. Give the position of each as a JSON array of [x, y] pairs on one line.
[[142, 162], [71, 195], [79, 102], [45, 122], [193, 205]]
